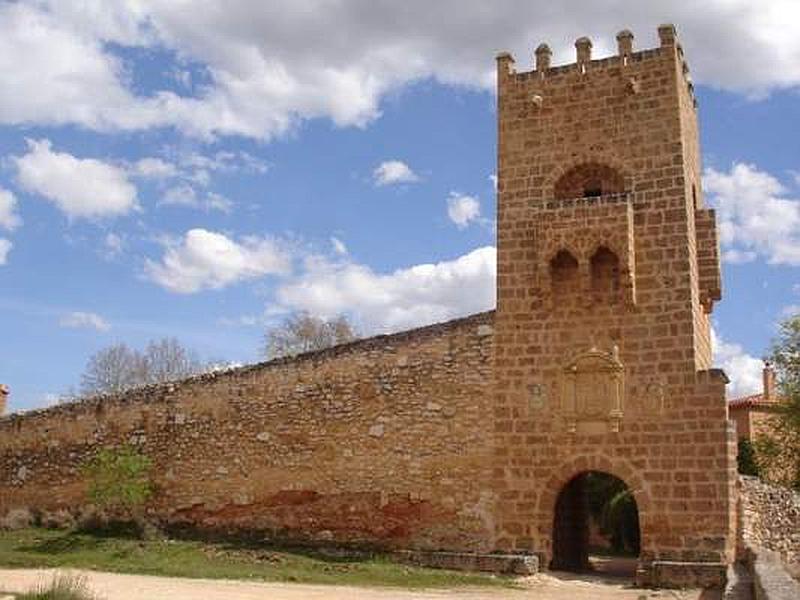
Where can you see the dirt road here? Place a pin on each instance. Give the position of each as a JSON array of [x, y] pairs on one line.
[[141, 587]]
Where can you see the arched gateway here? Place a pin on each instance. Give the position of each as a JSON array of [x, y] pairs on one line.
[[572, 504], [595, 513]]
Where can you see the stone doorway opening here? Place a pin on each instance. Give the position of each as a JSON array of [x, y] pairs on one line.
[[596, 526]]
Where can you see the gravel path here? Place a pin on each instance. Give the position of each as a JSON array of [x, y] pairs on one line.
[[112, 586]]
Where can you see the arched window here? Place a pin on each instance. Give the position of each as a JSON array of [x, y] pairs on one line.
[[589, 180], [605, 274], [564, 272]]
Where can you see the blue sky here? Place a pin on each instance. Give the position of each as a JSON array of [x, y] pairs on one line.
[[202, 173]]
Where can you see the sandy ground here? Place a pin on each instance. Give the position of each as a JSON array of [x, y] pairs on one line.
[[142, 587]]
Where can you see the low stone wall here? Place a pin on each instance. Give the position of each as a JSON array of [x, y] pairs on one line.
[[771, 580], [508, 564], [681, 574], [382, 442], [769, 539]]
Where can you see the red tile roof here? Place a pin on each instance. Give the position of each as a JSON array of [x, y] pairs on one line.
[[753, 401]]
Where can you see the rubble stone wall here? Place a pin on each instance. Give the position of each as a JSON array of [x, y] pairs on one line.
[[382, 441], [771, 519]]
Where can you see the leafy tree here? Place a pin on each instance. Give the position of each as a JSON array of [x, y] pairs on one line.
[[119, 480], [778, 450], [613, 507], [746, 459], [120, 367], [621, 521], [304, 332]]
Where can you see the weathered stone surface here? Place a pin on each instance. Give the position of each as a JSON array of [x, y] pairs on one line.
[[511, 564], [336, 445], [770, 519], [607, 270], [771, 579]]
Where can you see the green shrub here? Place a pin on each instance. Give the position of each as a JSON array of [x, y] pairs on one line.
[[62, 587], [119, 481], [746, 459]]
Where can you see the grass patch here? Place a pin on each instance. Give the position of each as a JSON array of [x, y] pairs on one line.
[[62, 587], [227, 560]]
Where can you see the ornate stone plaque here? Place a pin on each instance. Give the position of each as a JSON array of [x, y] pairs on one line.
[[593, 388], [537, 396], [652, 401]]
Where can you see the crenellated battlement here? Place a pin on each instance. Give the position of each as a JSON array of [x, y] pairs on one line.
[[586, 65]]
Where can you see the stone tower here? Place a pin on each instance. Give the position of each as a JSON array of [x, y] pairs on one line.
[[3, 398], [608, 270]]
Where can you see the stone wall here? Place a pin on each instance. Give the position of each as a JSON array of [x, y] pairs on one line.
[[383, 441], [770, 518], [753, 419]]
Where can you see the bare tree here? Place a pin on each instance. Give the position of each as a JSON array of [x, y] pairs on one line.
[[120, 367], [166, 359], [113, 369], [304, 332]]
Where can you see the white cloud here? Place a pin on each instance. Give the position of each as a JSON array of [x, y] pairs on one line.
[[113, 245], [273, 64], [181, 195], [84, 320], [738, 257], [5, 248], [393, 171], [57, 71], [743, 370], [210, 260], [79, 187], [339, 246], [214, 201], [405, 298], [197, 166], [186, 195], [790, 310], [154, 168], [756, 218], [463, 209], [9, 219]]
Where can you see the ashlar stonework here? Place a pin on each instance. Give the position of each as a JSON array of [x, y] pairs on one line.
[[462, 436]]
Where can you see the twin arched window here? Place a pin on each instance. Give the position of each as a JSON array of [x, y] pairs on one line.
[[564, 275], [604, 275], [587, 180]]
